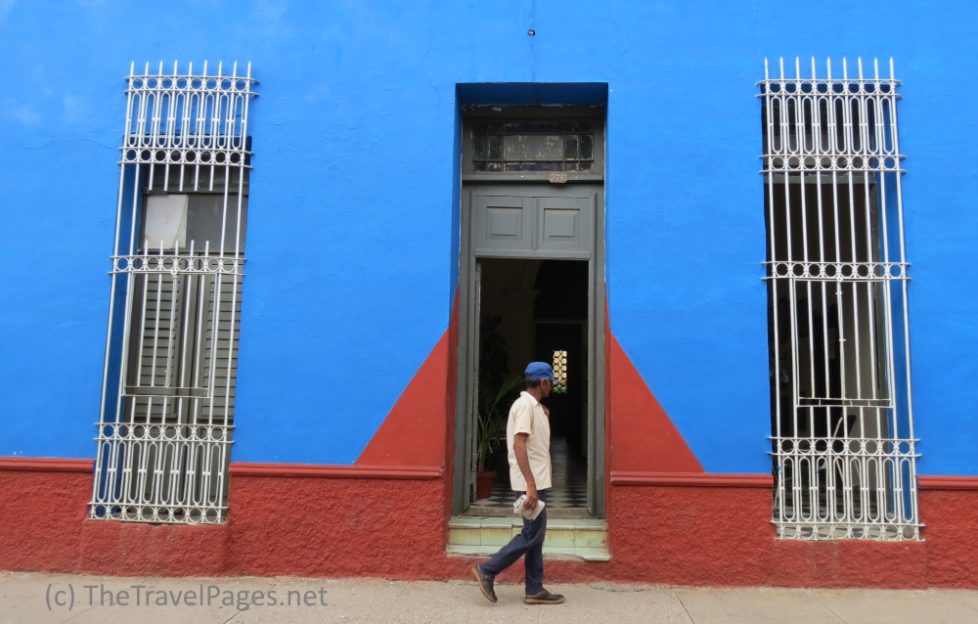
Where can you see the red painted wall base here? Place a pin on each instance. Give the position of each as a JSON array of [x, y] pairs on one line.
[[298, 526], [318, 525], [722, 536]]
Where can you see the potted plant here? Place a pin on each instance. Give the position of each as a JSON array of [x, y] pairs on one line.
[[493, 405], [495, 386]]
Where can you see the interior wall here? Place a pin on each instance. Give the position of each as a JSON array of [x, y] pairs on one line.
[[509, 291], [827, 312]]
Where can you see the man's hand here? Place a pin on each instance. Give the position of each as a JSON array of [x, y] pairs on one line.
[[531, 496]]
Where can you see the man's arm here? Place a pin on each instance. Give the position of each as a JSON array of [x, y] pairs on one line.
[[523, 461]]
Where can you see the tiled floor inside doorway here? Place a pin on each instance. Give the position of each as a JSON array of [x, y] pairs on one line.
[[567, 497]]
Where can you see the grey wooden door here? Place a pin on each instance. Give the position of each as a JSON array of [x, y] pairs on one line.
[[534, 222]]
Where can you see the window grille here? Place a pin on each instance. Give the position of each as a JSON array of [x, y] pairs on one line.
[[843, 442], [167, 412]]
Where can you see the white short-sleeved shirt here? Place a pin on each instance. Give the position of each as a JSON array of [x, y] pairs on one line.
[[527, 416]]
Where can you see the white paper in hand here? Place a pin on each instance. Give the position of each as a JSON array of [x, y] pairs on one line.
[[529, 514]]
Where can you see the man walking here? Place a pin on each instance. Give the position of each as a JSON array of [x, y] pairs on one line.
[[528, 443]]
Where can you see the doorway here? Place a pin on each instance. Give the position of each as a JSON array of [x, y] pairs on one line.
[[533, 310]]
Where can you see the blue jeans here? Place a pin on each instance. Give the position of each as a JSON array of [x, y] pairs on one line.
[[529, 545]]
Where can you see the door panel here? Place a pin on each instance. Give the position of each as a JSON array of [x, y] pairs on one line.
[[475, 307], [502, 222], [564, 223]]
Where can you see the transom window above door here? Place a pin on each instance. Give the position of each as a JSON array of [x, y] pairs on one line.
[[532, 145], [519, 143]]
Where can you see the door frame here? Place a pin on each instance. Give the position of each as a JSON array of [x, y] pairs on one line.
[[468, 337]]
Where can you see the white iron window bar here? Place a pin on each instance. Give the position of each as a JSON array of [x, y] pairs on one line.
[[164, 430], [843, 442]]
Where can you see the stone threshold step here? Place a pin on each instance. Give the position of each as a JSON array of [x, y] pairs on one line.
[[595, 524], [550, 552], [506, 511], [582, 538]]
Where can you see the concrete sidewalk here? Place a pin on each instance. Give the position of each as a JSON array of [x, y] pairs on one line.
[[34, 598]]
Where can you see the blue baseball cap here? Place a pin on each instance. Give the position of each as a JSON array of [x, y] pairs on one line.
[[539, 370]]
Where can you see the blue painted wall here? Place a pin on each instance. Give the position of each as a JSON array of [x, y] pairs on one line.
[[352, 242]]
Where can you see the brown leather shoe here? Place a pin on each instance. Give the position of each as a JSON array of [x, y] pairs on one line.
[[544, 597], [485, 584]]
